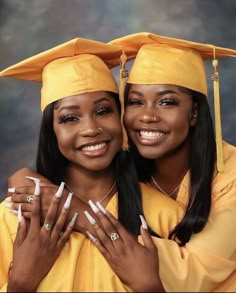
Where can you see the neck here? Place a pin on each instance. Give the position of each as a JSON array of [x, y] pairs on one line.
[[90, 185], [170, 170]]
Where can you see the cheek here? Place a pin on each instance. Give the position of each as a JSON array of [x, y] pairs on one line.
[[63, 139]]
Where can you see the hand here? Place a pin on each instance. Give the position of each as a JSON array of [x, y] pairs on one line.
[[24, 195], [36, 248], [136, 265]]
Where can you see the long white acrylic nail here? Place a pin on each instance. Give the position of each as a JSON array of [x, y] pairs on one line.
[[9, 198], [68, 201], [37, 184], [60, 190], [89, 217], [72, 222], [13, 212], [144, 223], [12, 189], [19, 214], [93, 239], [101, 208], [8, 205], [93, 206], [37, 188]]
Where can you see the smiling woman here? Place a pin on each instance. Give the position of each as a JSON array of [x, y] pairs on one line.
[[80, 147], [178, 152]]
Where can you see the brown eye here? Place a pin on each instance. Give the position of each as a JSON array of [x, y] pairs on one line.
[[104, 110], [68, 118]]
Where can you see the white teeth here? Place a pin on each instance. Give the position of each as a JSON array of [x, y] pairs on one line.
[[91, 148], [151, 134]]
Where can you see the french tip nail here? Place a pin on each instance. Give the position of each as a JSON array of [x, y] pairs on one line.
[[101, 208], [60, 190], [68, 201], [72, 222], [144, 223], [94, 208], [19, 214], [12, 189], [32, 178], [90, 235], [89, 217]]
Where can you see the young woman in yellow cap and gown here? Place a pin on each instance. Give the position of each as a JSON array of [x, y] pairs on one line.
[[177, 152], [80, 148]]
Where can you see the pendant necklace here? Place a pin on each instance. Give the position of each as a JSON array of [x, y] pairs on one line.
[[103, 198], [158, 186]]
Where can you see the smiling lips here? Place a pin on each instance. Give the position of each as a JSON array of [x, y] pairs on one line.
[[95, 149], [91, 148], [150, 137]]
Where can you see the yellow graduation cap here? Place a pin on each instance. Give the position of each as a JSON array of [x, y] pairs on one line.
[[75, 67], [164, 60]]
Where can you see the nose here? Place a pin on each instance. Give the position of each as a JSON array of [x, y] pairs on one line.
[[90, 128], [149, 116]]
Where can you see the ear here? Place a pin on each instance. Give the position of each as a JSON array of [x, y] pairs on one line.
[[194, 115]]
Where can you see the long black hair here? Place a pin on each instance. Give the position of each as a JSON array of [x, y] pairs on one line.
[[52, 164], [202, 160]]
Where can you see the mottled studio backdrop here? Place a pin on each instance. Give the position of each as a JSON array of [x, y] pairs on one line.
[[28, 27]]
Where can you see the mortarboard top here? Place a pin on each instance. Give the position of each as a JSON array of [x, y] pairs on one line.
[[75, 67], [164, 60]]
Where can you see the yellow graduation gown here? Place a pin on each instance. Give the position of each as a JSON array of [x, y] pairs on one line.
[[80, 266], [208, 261]]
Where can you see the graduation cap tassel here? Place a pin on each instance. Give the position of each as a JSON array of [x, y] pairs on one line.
[[123, 77], [218, 130]]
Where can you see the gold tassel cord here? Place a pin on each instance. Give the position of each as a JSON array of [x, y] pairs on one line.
[[123, 77], [218, 130]]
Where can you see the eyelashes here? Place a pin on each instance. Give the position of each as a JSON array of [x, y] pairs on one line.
[[64, 118], [161, 102], [68, 118]]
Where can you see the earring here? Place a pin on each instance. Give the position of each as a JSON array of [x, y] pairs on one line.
[[154, 118], [100, 129]]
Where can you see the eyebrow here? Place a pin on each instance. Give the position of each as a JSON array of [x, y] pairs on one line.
[[101, 100], [70, 107], [160, 93]]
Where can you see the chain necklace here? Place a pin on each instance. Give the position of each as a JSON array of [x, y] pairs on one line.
[[104, 197], [159, 187]]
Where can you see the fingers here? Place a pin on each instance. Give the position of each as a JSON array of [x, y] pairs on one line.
[[109, 231], [64, 237], [53, 208], [110, 224], [22, 228]]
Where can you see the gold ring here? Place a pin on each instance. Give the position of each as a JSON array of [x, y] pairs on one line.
[[114, 236], [30, 199]]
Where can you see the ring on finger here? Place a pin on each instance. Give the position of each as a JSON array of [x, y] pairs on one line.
[[47, 226], [30, 199], [114, 236]]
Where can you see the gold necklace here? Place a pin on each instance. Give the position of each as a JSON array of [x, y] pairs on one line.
[[103, 198], [159, 187]]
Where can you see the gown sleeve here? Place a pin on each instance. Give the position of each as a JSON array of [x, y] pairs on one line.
[[208, 260]]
